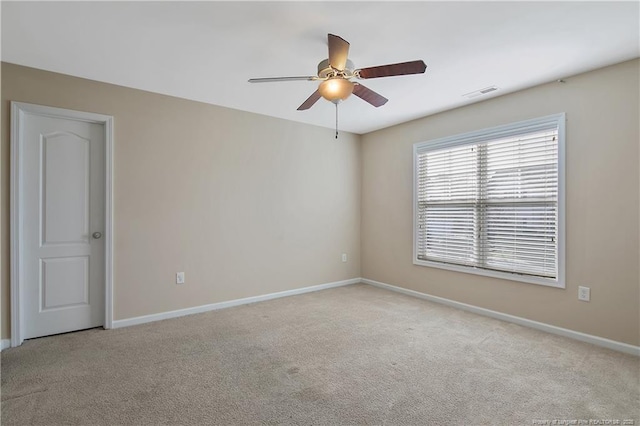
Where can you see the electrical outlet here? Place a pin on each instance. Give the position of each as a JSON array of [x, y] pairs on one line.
[[584, 293], [344, 257], [179, 277]]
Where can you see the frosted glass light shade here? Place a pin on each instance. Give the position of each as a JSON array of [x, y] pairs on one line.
[[335, 89]]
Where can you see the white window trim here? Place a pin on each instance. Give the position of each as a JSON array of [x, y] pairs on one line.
[[487, 134]]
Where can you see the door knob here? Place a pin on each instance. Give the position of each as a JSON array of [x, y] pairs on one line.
[[97, 235]]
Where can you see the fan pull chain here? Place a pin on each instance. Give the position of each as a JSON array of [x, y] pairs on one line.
[[336, 120]]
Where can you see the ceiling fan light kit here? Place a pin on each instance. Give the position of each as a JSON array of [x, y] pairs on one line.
[[335, 89], [336, 73]]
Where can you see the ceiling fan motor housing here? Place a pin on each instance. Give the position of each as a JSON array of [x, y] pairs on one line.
[[325, 70]]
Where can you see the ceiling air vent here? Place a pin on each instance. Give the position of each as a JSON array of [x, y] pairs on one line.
[[480, 92]]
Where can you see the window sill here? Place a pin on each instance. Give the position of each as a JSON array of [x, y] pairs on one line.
[[549, 282]]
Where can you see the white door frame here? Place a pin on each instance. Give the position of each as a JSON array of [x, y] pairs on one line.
[[18, 111]]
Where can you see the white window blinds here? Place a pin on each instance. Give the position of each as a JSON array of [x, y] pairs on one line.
[[490, 200]]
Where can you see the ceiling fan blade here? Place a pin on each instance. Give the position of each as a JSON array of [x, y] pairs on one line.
[[403, 68], [369, 95], [338, 52], [310, 101], [272, 79]]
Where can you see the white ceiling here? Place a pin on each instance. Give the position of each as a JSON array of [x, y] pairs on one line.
[[206, 51]]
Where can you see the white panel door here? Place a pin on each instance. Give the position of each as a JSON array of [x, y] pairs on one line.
[[63, 193]]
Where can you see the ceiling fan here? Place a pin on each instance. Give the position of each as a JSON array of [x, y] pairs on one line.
[[336, 73]]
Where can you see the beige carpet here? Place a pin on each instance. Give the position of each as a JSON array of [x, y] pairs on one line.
[[350, 355]]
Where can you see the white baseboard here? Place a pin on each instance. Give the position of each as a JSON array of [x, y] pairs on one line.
[[228, 304], [583, 337]]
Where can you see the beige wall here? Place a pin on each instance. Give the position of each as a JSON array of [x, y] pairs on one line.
[[602, 187], [247, 205], [244, 204]]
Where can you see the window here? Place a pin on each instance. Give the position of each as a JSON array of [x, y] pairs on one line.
[[491, 202]]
